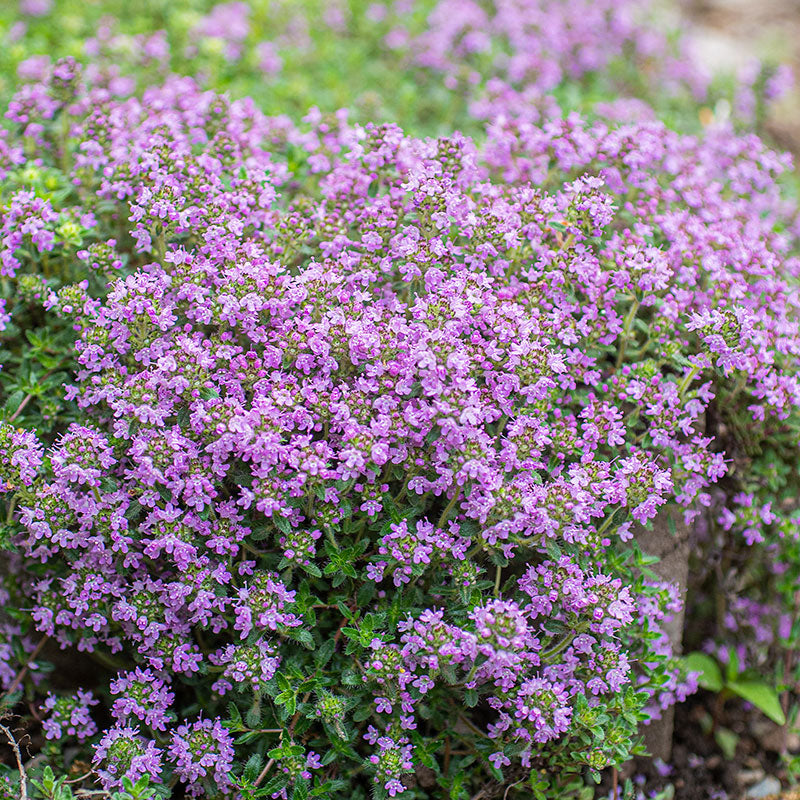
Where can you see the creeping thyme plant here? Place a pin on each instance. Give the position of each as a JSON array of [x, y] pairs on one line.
[[325, 446], [431, 66]]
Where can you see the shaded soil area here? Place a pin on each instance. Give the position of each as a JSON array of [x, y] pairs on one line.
[[700, 769]]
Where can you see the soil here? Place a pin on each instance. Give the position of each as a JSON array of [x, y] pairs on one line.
[[699, 770]]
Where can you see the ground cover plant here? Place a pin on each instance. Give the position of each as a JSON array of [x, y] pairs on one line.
[[290, 56], [432, 66], [325, 446]]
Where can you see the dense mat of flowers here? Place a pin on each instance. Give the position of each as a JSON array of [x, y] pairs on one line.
[[431, 66], [344, 491], [511, 55]]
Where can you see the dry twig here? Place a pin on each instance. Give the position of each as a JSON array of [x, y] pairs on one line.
[[23, 776]]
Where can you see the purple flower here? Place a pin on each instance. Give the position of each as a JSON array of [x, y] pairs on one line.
[[124, 753], [382, 705], [203, 755], [391, 761], [69, 716], [248, 666], [35, 8], [142, 695]]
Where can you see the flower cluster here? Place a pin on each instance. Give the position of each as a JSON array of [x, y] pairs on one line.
[[516, 52], [391, 761], [480, 60], [247, 667], [202, 750], [69, 716], [143, 695], [123, 753]]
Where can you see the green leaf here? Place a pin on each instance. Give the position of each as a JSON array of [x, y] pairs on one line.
[[48, 779], [325, 652], [284, 697], [710, 673], [276, 784], [248, 737], [306, 639], [351, 678], [727, 741], [282, 524], [253, 767], [762, 696], [344, 609], [553, 550], [300, 789], [253, 716], [365, 594], [234, 714], [455, 788], [14, 401], [352, 633], [732, 667]]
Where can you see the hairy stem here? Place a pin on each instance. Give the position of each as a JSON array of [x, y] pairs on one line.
[[23, 776]]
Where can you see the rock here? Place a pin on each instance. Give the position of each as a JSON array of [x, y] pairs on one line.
[[750, 776], [770, 736], [774, 738], [668, 538], [764, 788], [716, 51]]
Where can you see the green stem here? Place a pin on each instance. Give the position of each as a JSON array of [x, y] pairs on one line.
[[330, 537], [637, 354], [402, 493], [558, 648], [448, 509], [501, 426], [106, 660], [29, 397], [160, 243], [471, 673], [11, 506], [64, 143], [604, 526], [626, 332], [472, 727], [684, 384]]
